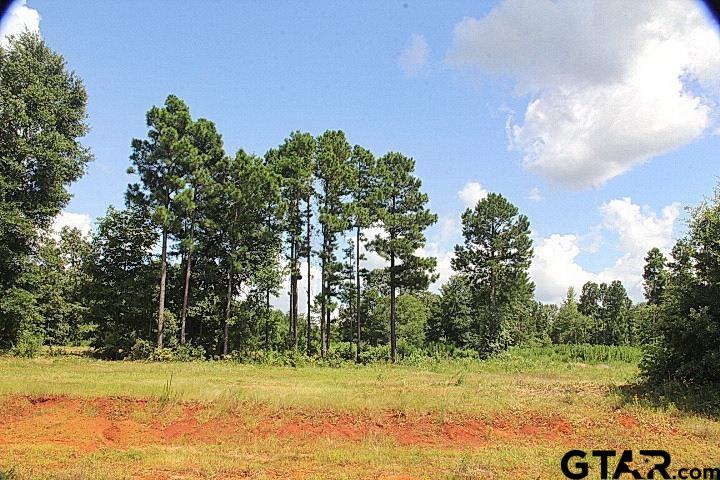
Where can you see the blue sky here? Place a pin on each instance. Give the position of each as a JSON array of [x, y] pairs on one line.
[[597, 127]]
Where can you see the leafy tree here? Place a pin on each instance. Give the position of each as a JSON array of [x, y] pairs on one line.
[[61, 281], [42, 117], [655, 276], [543, 316], [689, 323], [403, 217], [495, 259], [123, 283], [452, 322], [618, 322], [334, 171], [159, 161], [571, 325], [608, 306], [591, 299]]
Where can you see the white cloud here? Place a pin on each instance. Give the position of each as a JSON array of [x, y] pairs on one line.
[[81, 221], [282, 301], [535, 195], [639, 229], [554, 267], [612, 83], [444, 259], [413, 59], [17, 19], [472, 193]]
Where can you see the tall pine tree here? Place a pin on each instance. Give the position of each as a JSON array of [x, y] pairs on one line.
[[403, 216]]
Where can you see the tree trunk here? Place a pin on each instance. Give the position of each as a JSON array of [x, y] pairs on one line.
[[292, 293], [186, 294], [357, 292], [296, 296], [393, 338], [327, 326], [323, 300], [267, 319], [228, 306], [163, 275], [309, 256]]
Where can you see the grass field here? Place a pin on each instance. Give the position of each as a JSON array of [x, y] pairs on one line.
[[511, 417]]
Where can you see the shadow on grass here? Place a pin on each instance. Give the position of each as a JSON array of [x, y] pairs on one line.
[[703, 400]]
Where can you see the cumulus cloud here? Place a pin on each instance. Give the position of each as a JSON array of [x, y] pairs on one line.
[[611, 83], [19, 18], [413, 59], [472, 193], [282, 301], [444, 258], [81, 221], [535, 195], [555, 266]]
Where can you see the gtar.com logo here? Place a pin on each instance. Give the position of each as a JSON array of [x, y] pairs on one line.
[[575, 464]]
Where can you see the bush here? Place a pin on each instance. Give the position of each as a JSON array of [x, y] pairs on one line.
[[141, 350], [370, 354], [581, 353], [189, 353], [162, 355], [27, 345]]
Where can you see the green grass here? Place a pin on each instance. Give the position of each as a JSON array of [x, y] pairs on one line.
[[515, 379], [582, 386]]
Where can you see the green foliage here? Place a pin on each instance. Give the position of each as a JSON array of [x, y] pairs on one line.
[[609, 308], [41, 119], [570, 325], [141, 350], [403, 217], [655, 276], [591, 354], [686, 351], [495, 258], [123, 279], [28, 344], [20, 313], [452, 320]]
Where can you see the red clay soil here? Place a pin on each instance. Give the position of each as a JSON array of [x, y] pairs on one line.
[[90, 424]]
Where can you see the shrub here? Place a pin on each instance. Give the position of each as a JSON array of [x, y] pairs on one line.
[[188, 352], [162, 355], [370, 354], [28, 344], [141, 350]]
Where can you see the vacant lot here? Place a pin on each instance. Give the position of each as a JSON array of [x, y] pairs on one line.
[[514, 417]]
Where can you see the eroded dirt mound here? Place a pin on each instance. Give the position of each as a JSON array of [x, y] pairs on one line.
[[89, 424]]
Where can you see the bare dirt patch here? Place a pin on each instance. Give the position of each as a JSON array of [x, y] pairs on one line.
[[90, 424]]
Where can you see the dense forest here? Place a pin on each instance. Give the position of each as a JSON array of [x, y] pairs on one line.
[[188, 266]]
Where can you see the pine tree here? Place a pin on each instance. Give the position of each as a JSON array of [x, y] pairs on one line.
[[333, 169], [244, 189], [206, 151], [364, 213], [403, 217], [159, 161], [495, 258], [293, 161]]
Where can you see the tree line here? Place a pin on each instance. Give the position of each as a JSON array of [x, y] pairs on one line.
[[205, 240]]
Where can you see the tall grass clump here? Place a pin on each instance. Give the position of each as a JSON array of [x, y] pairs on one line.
[[591, 354]]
